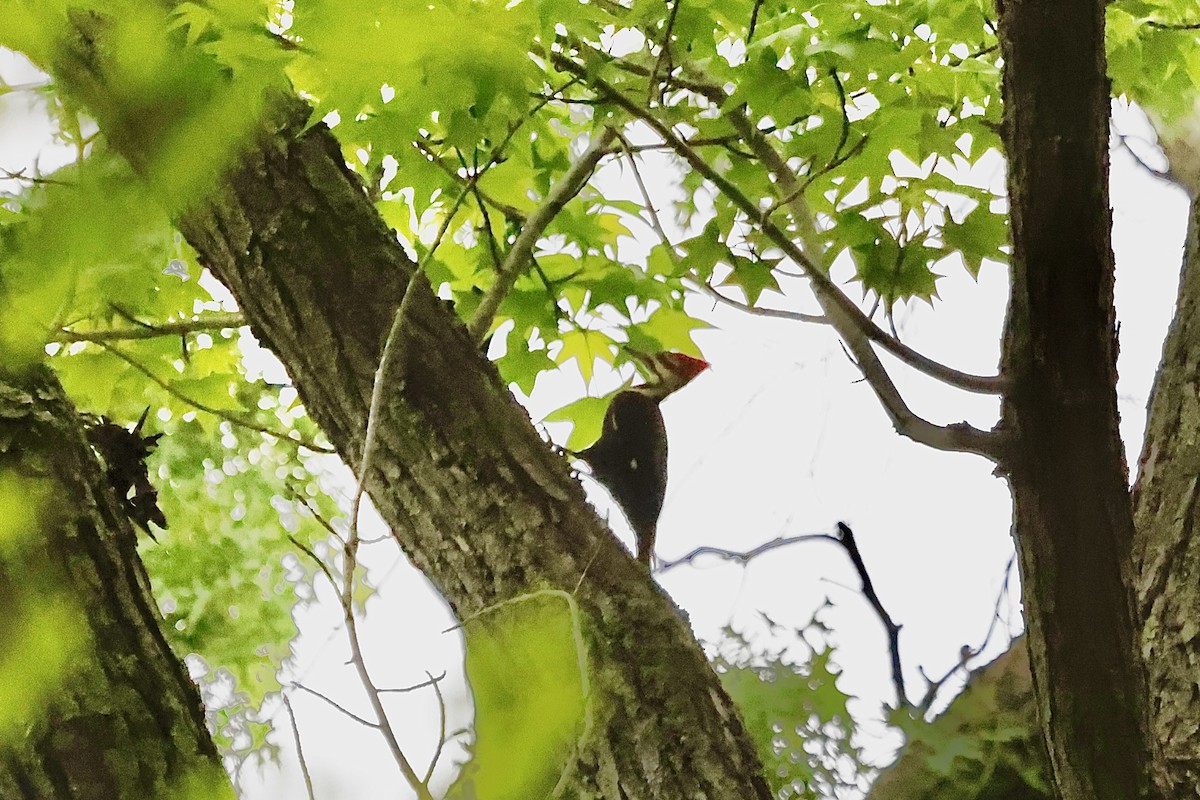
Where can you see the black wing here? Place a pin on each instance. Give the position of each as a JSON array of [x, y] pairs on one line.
[[630, 459]]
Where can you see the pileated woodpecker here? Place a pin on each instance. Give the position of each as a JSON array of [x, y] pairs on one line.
[[630, 458]]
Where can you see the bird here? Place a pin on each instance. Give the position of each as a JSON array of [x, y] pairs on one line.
[[630, 457]]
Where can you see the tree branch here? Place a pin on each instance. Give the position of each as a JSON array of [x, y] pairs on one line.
[[818, 272], [308, 784], [845, 317], [360, 720], [206, 322], [846, 539], [515, 261], [216, 412], [743, 557], [793, 192]]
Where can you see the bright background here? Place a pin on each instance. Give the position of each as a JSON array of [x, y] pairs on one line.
[[780, 438]]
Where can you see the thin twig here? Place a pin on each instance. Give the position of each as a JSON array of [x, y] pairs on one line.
[[656, 224], [846, 539], [32, 180], [1173, 26], [405, 689], [308, 551], [511, 213], [760, 311], [232, 419], [206, 322], [360, 665], [472, 181], [746, 556], [308, 784], [394, 352], [664, 52], [517, 258], [753, 21], [338, 706], [437, 752], [934, 687]]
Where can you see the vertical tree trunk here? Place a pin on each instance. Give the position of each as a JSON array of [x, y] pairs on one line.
[[93, 703], [1073, 519], [1166, 554]]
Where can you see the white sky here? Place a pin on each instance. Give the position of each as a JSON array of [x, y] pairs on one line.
[[779, 438]]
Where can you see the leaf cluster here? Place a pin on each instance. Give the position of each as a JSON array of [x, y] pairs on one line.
[[796, 714]]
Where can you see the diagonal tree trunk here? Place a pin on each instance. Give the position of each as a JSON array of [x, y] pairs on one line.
[[94, 705], [473, 495]]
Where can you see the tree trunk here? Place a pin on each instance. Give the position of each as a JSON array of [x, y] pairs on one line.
[[473, 495], [1072, 514], [93, 703], [1166, 554], [475, 498]]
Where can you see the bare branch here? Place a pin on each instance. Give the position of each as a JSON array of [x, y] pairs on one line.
[[308, 551], [394, 354], [753, 21], [846, 539], [517, 258], [760, 311], [308, 784], [32, 180], [437, 753], [1173, 26], [383, 724], [968, 653], [404, 689], [744, 557], [338, 706]]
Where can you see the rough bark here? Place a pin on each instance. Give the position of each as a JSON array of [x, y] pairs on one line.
[[95, 704], [1072, 513], [473, 495], [1167, 548]]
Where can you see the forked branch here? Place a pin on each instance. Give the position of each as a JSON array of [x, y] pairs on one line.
[[846, 318]]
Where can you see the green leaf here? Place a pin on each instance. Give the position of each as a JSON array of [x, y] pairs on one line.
[[980, 235], [521, 365], [587, 416], [586, 347], [528, 674], [667, 329], [752, 277], [214, 391]]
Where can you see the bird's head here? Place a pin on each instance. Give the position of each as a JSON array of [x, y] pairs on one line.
[[666, 372]]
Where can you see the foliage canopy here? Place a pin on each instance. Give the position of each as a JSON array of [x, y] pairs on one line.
[[857, 130]]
